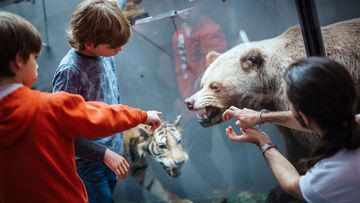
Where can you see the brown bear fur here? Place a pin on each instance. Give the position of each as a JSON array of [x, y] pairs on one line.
[[250, 75]]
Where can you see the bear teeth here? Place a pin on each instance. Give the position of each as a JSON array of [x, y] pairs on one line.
[[204, 116], [201, 111], [201, 116]]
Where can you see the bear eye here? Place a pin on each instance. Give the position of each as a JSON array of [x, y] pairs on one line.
[[215, 87], [254, 60]]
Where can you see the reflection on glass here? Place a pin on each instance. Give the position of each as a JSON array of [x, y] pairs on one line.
[[164, 62]]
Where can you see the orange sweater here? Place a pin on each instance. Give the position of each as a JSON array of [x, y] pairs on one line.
[[37, 133]]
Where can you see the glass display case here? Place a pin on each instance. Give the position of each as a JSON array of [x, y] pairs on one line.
[[152, 76], [162, 65]]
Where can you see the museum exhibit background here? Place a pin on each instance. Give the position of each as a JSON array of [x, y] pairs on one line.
[[148, 79]]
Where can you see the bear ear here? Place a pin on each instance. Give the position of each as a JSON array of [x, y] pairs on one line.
[[211, 56], [253, 60]]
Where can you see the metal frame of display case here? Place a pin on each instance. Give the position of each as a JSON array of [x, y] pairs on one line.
[[310, 27], [308, 18]]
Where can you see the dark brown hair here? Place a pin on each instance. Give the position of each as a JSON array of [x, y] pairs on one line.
[[325, 92], [17, 35], [98, 22]]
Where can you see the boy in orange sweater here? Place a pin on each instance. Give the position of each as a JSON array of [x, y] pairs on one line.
[[37, 129]]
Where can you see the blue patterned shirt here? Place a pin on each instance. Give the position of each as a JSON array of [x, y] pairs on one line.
[[94, 78]]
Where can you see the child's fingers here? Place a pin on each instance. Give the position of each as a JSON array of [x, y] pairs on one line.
[[155, 125], [127, 165], [118, 174], [123, 169]]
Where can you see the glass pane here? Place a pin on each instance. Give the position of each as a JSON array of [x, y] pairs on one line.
[[161, 68], [332, 11], [158, 70]]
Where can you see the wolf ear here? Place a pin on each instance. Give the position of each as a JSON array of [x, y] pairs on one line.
[[253, 60], [211, 56], [177, 121]]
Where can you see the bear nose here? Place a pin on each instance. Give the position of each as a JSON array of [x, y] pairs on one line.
[[189, 103]]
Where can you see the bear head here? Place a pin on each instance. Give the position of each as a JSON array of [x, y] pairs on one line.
[[248, 75]]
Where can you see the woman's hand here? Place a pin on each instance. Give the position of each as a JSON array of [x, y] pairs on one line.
[[249, 135], [247, 118]]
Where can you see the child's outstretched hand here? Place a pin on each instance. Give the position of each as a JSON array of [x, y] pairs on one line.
[[153, 119]]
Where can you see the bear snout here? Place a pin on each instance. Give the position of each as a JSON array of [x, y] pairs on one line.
[[189, 103]]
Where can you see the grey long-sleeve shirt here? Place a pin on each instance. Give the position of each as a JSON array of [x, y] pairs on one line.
[[93, 78]]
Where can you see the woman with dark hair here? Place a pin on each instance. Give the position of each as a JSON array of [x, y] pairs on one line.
[[321, 96]]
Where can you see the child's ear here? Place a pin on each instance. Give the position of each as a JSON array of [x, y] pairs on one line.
[[17, 63], [88, 45], [19, 59]]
